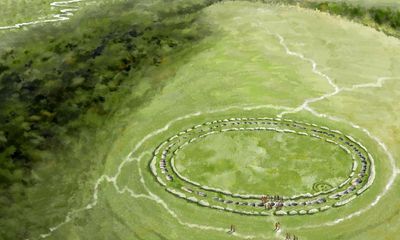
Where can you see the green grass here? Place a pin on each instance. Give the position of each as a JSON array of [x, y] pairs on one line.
[[263, 163], [240, 63]]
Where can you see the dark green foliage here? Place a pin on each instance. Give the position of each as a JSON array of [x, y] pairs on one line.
[[343, 8], [385, 19], [386, 16], [339, 8], [382, 17]]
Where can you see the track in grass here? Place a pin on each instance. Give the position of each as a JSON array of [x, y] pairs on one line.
[[65, 11]]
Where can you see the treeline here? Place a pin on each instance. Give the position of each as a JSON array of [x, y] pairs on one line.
[[56, 74], [383, 19]]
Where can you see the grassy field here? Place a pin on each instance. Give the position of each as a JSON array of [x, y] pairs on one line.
[[263, 163], [257, 60]]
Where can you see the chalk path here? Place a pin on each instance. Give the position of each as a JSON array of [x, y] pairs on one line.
[[64, 13], [305, 106]]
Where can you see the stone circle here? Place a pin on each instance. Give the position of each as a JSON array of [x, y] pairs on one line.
[[359, 179]]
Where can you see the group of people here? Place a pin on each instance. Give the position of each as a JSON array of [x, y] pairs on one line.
[[265, 198], [276, 201]]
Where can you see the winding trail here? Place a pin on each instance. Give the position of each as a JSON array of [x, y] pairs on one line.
[[378, 84], [64, 13], [314, 69], [305, 106]]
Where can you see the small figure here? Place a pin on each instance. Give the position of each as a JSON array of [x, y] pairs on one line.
[[279, 205], [288, 236], [264, 199], [277, 227], [269, 206], [232, 230]]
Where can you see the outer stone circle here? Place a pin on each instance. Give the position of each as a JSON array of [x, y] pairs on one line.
[[360, 176]]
